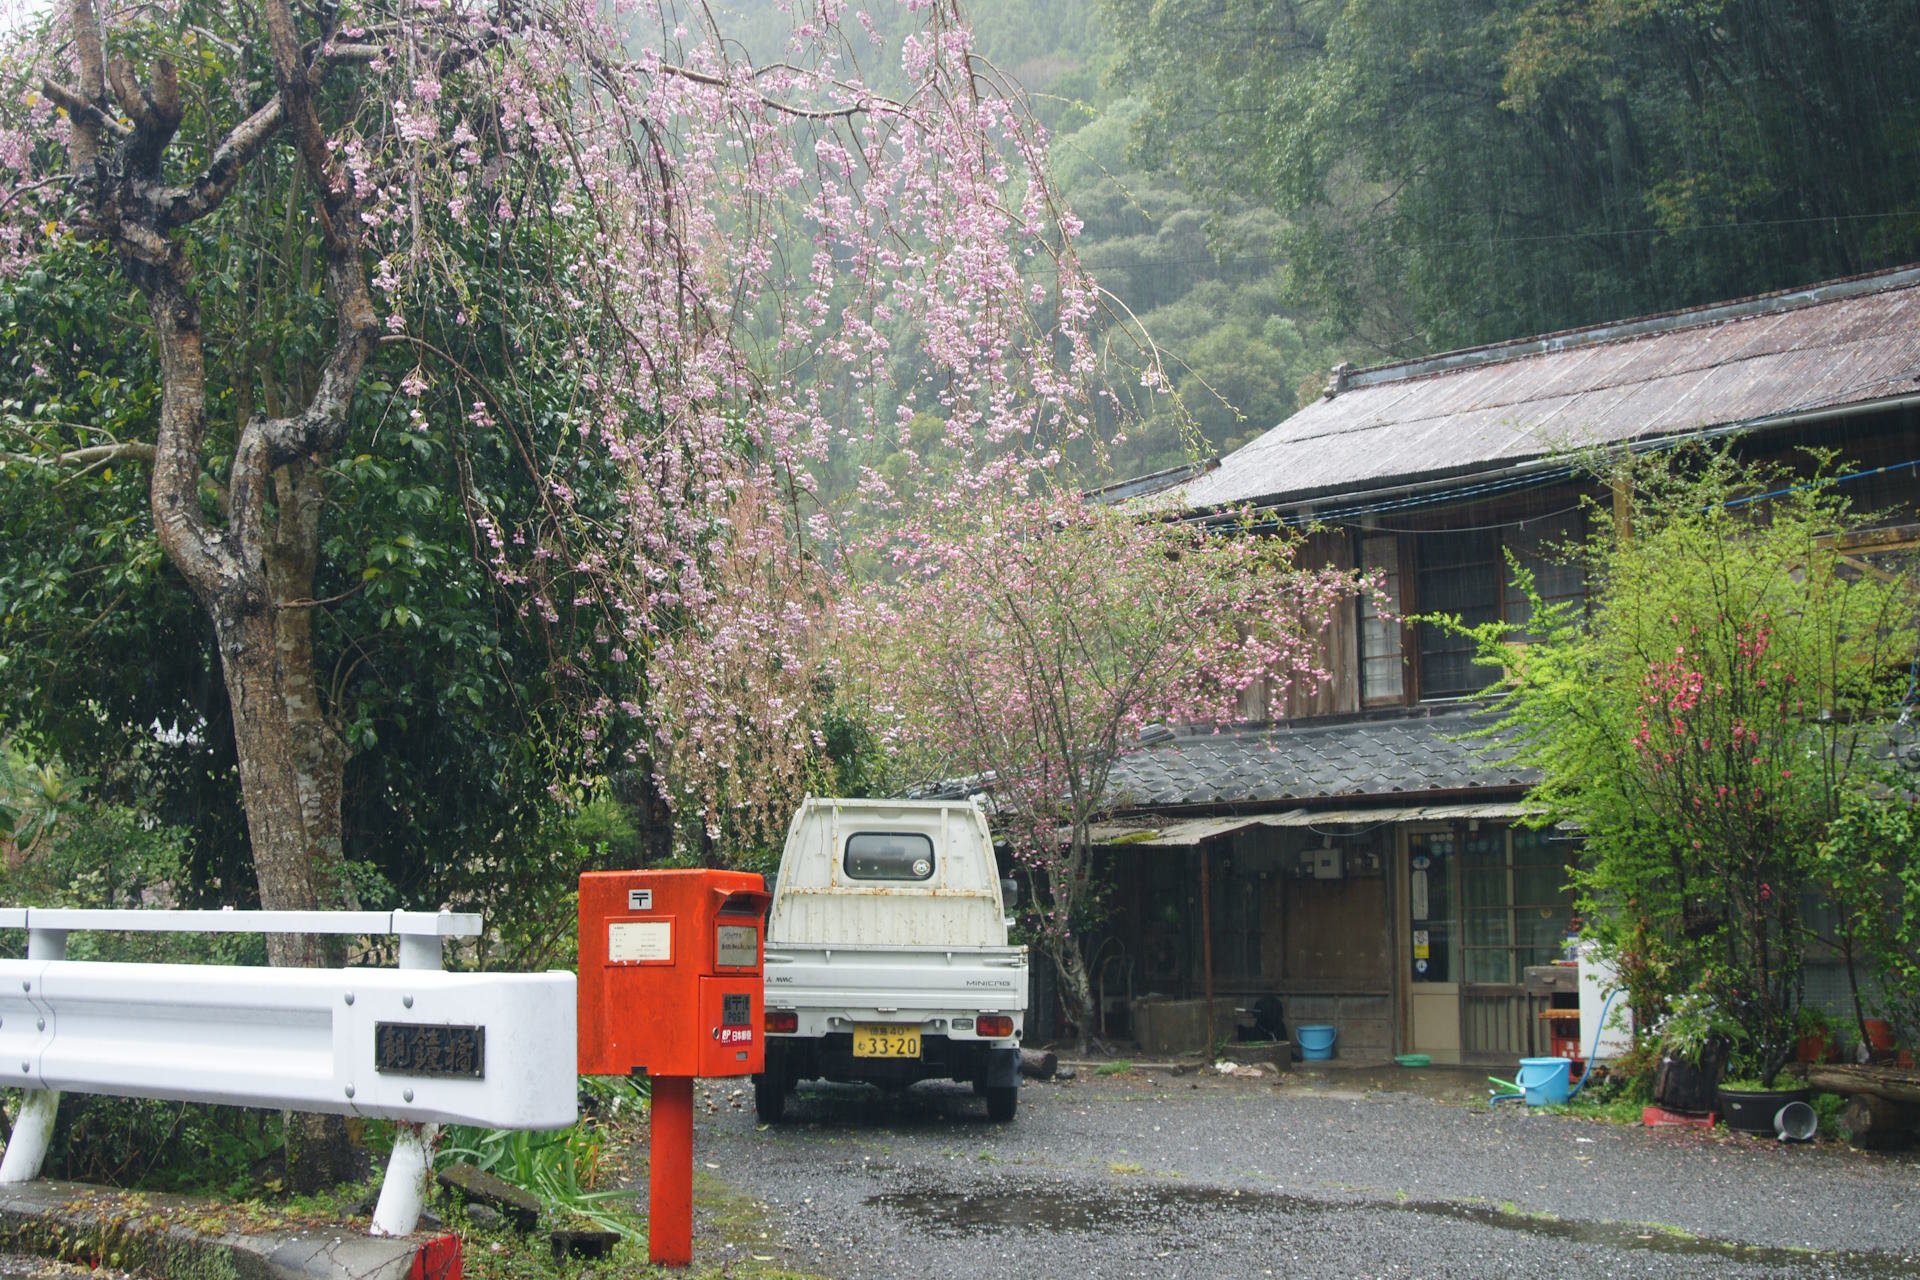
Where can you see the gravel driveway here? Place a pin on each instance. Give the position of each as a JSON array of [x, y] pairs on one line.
[[1336, 1173]]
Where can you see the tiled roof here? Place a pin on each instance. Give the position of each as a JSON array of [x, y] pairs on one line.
[[1406, 756], [1842, 347]]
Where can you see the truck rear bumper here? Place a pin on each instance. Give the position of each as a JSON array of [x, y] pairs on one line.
[[987, 1064]]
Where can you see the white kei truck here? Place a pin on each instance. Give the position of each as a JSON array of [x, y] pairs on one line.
[[886, 955]]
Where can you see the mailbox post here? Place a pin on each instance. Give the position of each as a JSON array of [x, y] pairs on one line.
[[671, 987]]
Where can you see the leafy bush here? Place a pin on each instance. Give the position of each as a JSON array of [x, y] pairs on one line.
[[145, 1145], [561, 1168], [1703, 726], [114, 856], [1871, 858]]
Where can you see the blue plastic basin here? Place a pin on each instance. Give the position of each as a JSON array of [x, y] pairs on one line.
[[1316, 1042], [1544, 1081]]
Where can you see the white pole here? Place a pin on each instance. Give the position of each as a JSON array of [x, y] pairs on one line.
[[32, 1130], [408, 1171], [419, 952]]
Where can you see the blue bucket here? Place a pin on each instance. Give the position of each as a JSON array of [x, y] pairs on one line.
[[1316, 1042], [1544, 1080]]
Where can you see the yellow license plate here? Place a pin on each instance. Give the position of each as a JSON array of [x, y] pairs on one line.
[[885, 1040]]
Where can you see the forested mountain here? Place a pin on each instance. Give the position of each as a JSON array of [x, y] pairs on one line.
[[1270, 186], [1273, 185], [1447, 172]]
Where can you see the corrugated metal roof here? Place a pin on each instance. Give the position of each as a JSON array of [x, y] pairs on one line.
[[1318, 818], [1180, 833], [1186, 833], [1850, 344]]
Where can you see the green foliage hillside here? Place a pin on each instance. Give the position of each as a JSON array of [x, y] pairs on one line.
[[1462, 172]]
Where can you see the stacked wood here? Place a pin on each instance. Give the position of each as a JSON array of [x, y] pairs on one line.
[[1874, 1121], [1038, 1063], [1898, 1084], [1884, 1102]]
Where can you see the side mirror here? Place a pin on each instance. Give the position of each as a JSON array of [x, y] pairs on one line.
[[1009, 892]]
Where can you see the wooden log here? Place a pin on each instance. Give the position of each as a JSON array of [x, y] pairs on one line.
[[1874, 1121], [1038, 1063], [1894, 1083]]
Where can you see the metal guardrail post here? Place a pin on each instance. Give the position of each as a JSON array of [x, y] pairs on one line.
[[32, 1131], [409, 1170], [39, 1108]]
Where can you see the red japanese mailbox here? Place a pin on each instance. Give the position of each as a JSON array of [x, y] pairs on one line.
[[671, 987]]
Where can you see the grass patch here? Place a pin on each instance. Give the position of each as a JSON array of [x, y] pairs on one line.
[[1118, 1067], [1125, 1166], [1669, 1230], [1615, 1110]]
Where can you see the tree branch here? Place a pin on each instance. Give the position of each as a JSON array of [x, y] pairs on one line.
[[83, 113], [323, 423], [214, 183], [91, 456]]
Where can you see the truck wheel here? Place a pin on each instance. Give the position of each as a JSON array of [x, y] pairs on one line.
[[1001, 1103], [770, 1099]]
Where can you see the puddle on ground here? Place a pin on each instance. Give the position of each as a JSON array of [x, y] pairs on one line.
[[1152, 1205]]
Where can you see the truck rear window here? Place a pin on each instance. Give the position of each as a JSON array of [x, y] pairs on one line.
[[886, 855]]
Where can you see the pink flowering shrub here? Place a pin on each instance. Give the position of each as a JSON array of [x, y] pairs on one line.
[[1027, 642]]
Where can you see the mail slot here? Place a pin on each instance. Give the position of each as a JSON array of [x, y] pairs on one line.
[[670, 973]]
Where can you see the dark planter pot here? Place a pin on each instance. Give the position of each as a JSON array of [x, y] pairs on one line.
[[1753, 1110], [1680, 1085]]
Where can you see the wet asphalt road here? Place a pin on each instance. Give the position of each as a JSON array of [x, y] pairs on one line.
[[1334, 1174]]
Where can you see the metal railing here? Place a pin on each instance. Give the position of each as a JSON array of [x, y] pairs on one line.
[[416, 1045]]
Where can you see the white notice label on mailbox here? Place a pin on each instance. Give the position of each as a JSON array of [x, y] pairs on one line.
[[648, 940]]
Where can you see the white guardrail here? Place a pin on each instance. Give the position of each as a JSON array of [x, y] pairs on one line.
[[416, 1045]]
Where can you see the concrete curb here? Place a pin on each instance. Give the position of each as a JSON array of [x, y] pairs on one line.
[[184, 1238]]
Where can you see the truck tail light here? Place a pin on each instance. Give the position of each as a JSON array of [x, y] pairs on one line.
[[994, 1024], [782, 1021]]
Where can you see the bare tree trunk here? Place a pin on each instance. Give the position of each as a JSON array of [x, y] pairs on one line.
[[319, 752], [1076, 990], [243, 574]]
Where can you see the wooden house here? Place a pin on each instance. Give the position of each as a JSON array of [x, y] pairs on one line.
[[1345, 849]]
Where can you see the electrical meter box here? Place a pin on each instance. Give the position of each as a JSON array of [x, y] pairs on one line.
[[670, 973]]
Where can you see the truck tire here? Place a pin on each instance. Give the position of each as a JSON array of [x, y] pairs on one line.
[[769, 1098], [1002, 1101]]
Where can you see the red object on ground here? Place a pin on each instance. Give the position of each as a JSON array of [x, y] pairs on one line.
[[439, 1259], [1879, 1036], [1563, 1032], [1660, 1117], [670, 1173], [1815, 1046]]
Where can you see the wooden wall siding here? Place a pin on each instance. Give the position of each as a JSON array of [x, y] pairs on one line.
[[1494, 1022], [1273, 928], [1335, 932], [1339, 645]]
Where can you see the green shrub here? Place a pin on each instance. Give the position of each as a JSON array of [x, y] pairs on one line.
[[146, 1145]]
